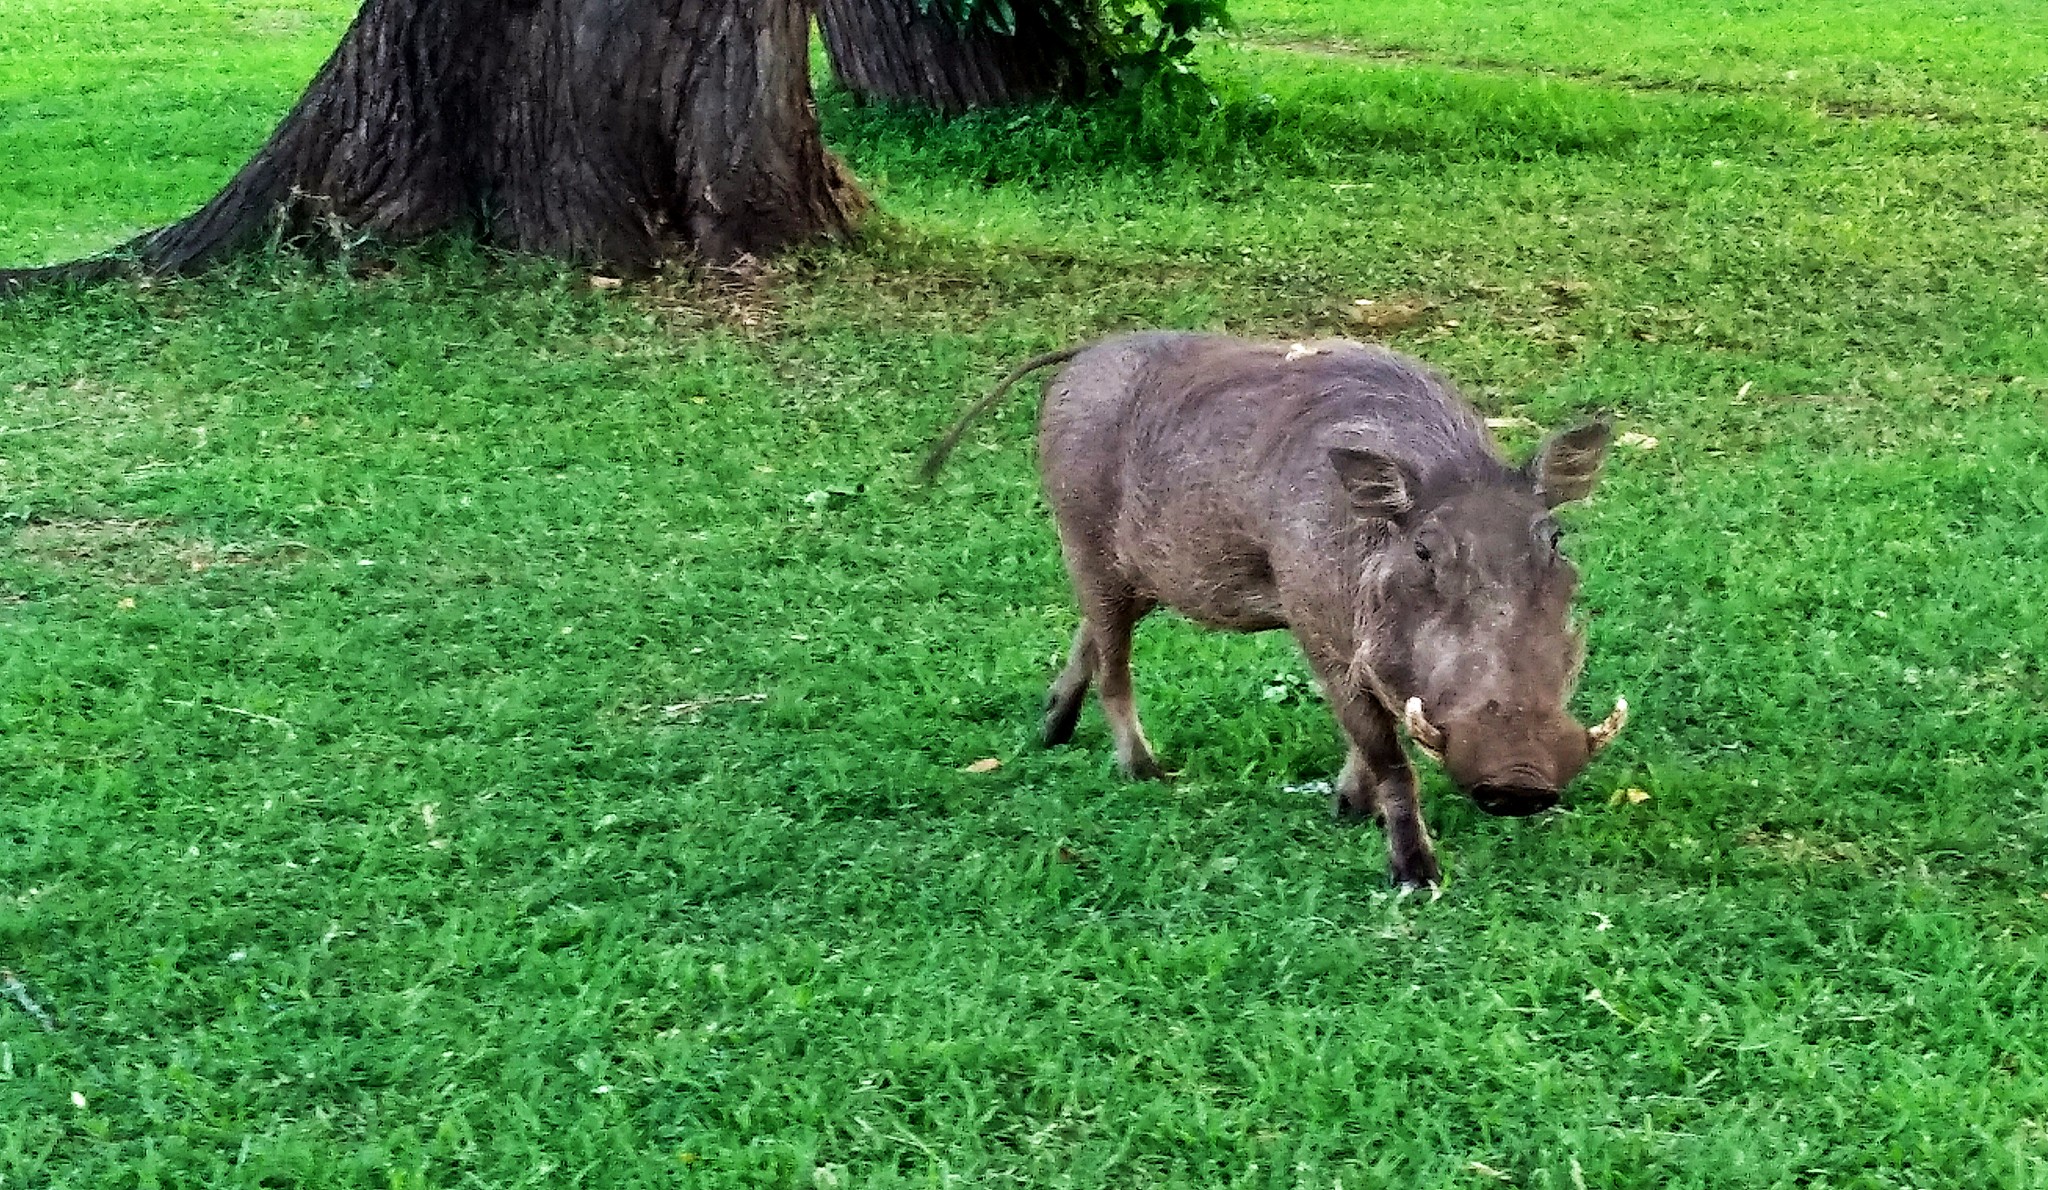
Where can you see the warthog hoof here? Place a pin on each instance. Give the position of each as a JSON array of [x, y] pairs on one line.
[[1144, 768], [1351, 806], [1415, 872], [1060, 718]]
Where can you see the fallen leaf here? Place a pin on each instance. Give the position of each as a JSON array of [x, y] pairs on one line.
[[602, 282], [987, 764], [1509, 423], [1639, 441], [1631, 795], [127, 604]]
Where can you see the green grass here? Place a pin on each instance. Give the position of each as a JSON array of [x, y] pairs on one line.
[[1958, 59], [463, 728], [115, 118]]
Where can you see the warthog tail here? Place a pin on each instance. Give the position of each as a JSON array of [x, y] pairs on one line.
[[944, 447]]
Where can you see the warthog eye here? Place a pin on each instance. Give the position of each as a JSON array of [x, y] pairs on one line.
[[1422, 551]]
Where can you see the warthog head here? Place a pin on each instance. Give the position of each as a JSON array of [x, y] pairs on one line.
[[1468, 618]]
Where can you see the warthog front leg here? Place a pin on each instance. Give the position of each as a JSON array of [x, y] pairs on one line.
[[1070, 689], [1411, 856], [1377, 780], [1354, 796]]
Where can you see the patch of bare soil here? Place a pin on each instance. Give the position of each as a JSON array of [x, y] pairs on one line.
[[267, 21], [744, 296], [1787, 847], [138, 551]]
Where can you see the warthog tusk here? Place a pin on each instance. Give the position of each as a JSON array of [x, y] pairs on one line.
[[1422, 731], [1603, 734]]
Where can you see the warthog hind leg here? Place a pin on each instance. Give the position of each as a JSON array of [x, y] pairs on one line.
[[1112, 618]]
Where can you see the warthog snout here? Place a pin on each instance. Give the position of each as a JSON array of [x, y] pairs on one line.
[[1514, 775], [1513, 801], [1513, 765]]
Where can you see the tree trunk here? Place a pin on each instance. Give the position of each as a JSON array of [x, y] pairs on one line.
[[889, 51], [607, 131]]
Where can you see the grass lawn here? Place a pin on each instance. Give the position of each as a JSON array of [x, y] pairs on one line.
[[459, 727]]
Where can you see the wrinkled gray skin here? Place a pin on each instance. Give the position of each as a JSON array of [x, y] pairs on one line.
[[1348, 495]]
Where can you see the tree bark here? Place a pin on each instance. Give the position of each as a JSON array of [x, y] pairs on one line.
[[607, 131], [889, 51]]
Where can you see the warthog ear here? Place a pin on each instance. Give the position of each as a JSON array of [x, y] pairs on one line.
[[1378, 485], [1568, 465]]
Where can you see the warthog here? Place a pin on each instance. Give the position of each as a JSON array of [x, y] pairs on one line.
[[1346, 494]]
